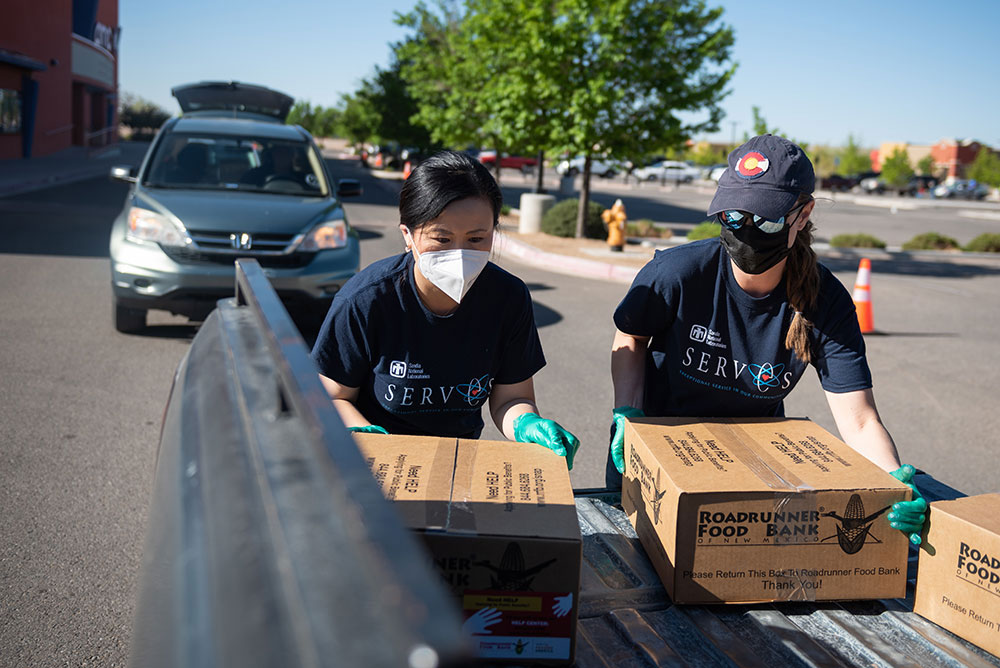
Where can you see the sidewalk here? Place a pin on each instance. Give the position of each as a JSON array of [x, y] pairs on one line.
[[76, 163]]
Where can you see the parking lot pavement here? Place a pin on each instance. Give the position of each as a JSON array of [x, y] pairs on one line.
[[74, 164]]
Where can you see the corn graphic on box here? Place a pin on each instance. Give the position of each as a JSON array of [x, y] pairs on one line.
[[500, 524], [958, 578], [761, 509]]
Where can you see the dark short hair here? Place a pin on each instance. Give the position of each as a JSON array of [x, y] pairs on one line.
[[444, 178]]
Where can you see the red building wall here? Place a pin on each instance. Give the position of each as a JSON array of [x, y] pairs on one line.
[[43, 31], [956, 155]]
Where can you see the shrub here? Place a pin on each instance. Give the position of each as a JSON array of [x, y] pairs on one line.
[[644, 227], [560, 220], [931, 241], [856, 241], [705, 230], [505, 210], [985, 243]]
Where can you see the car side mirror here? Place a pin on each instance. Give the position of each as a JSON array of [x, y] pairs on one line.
[[348, 188], [123, 173]]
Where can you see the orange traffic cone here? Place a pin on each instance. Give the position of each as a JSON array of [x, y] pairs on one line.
[[407, 168], [863, 296]]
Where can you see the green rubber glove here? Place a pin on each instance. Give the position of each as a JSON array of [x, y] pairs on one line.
[[369, 429], [621, 414], [908, 516], [530, 428]]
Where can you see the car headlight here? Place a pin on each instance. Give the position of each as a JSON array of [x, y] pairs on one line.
[[148, 226], [330, 234]]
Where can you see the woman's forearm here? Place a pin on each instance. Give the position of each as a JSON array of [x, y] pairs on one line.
[[861, 427], [628, 369]]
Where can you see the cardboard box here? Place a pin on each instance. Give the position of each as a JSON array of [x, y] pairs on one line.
[[761, 509], [958, 579], [501, 525]]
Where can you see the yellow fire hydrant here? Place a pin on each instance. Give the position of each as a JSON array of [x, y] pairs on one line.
[[614, 218]]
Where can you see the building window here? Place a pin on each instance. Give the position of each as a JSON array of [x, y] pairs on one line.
[[10, 111]]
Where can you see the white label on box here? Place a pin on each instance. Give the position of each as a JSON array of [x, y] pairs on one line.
[[524, 647]]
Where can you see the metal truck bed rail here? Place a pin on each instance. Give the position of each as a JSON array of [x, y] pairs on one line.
[[268, 541]]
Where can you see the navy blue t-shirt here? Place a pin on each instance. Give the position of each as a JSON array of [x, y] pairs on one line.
[[421, 373], [716, 351]]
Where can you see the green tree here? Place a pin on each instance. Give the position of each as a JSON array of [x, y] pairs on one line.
[[854, 159], [381, 110], [760, 125], [825, 159], [395, 108], [302, 113], [435, 63], [926, 165], [896, 169], [704, 154], [358, 119], [328, 122], [143, 116], [986, 167], [582, 77], [624, 69]]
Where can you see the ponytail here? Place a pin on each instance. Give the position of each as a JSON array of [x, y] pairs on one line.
[[802, 288]]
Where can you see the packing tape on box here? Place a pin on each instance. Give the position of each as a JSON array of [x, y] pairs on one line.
[[777, 477], [772, 474], [461, 516], [438, 509]]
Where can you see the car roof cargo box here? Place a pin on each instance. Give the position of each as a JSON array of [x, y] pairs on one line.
[[233, 96]]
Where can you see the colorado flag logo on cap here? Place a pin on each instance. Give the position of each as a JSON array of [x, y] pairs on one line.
[[752, 165]]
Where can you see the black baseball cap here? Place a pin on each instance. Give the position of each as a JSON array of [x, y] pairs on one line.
[[765, 176]]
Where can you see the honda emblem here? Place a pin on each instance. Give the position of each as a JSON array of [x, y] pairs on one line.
[[241, 241]]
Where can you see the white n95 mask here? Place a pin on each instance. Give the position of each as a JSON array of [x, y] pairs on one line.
[[451, 271]]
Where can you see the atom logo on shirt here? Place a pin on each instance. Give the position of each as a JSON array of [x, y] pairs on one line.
[[474, 391], [765, 375]]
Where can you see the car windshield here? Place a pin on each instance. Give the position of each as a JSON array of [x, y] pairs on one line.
[[222, 162]]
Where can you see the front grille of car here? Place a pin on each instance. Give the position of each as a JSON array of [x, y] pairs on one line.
[[211, 240], [191, 255], [217, 248]]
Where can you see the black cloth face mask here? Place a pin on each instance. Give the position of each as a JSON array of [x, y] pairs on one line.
[[753, 251]]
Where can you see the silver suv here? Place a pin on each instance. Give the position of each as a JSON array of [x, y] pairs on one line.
[[229, 179]]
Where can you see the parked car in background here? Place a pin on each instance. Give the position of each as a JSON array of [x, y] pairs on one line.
[[668, 170], [871, 183], [706, 172], [837, 183], [229, 179], [603, 167], [919, 184], [962, 189], [489, 158], [381, 156], [717, 172]]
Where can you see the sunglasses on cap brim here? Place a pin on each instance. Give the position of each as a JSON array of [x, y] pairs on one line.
[[734, 219]]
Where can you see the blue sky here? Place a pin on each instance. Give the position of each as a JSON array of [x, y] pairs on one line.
[[891, 70]]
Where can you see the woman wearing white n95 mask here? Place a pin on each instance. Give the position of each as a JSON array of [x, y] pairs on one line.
[[417, 343]]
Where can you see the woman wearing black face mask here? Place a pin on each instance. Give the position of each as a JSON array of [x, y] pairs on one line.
[[725, 328]]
